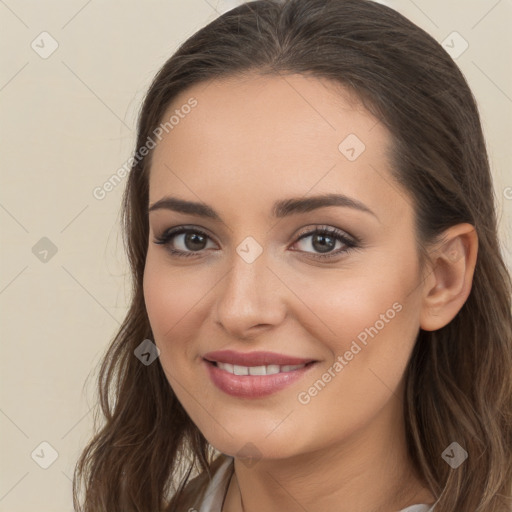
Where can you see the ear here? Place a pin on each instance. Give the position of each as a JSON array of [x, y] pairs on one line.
[[450, 276]]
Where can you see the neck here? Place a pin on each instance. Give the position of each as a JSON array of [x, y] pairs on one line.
[[369, 471]]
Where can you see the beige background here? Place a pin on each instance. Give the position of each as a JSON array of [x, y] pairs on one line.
[[67, 124]]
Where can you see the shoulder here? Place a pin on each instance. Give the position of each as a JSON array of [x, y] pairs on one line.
[[202, 486]]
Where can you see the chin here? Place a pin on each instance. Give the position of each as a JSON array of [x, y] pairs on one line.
[[247, 447]]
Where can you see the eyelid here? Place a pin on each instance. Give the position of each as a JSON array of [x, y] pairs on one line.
[[303, 232], [327, 228], [350, 241], [184, 228]]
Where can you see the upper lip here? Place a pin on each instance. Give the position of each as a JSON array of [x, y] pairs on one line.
[[254, 358]]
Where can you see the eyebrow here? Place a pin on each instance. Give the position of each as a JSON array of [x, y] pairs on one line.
[[280, 209]]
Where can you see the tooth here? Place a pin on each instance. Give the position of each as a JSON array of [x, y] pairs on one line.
[[257, 370], [272, 368], [240, 370], [225, 366]]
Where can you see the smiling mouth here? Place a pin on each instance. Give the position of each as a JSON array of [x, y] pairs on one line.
[[270, 369], [257, 381]]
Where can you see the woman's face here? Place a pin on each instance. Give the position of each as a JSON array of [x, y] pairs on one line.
[[255, 276]]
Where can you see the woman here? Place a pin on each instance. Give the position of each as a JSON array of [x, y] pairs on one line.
[[321, 317]]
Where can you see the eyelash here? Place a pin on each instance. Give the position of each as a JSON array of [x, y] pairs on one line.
[[350, 244]]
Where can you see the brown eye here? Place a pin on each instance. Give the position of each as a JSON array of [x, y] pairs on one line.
[[324, 240], [187, 241], [193, 241]]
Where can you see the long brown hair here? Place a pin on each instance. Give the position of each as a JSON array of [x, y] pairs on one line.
[[459, 380]]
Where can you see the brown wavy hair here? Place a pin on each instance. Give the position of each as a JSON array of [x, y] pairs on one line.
[[459, 379]]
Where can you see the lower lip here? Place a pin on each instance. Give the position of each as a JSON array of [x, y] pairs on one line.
[[254, 386]]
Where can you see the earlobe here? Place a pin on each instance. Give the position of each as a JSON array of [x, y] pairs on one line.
[[447, 286]]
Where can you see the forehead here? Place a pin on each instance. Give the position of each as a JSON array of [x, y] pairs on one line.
[[277, 135], [280, 110]]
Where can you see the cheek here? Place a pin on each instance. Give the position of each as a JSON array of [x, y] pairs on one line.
[[370, 319], [173, 298], [372, 325]]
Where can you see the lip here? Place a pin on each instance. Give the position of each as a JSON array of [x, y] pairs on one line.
[[254, 386], [258, 358]]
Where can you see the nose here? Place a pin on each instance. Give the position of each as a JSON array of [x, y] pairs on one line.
[[250, 297]]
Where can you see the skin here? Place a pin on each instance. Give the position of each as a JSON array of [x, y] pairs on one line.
[[249, 142]]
